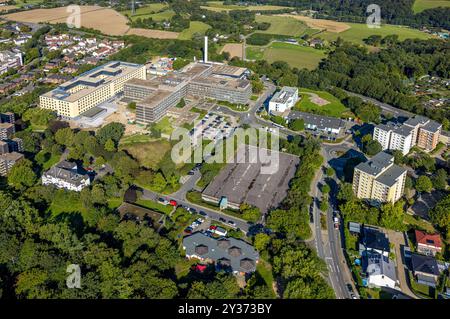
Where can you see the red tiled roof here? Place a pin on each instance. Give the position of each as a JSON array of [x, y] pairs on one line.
[[428, 239]]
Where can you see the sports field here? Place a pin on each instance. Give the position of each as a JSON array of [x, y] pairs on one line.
[[420, 5], [322, 103], [283, 25], [194, 27], [296, 55], [359, 31], [219, 6]]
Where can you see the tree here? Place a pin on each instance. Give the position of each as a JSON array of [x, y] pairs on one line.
[[22, 175], [392, 216], [113, 131], [329, 171], [440, 179], [325, 188], [65, 137], [423, 184], [440, 214], [345, 193], [250, 213], [159, 183], [109, 145], [261, 241]]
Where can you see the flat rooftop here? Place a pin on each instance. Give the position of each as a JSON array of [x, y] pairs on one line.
[[284, 95], [391, 175], [244, 183], [376, 164], [320, 121], [87, 82]]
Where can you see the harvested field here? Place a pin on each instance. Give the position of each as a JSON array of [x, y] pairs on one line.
[[156, 34], [6, 8], [234, 49], [107, 21], [320, 24]]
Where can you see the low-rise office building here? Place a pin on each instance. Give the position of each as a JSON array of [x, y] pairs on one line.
[[379, 180], [7, 161], [318, 123], [283, 100], [73, 98], [65, 175]]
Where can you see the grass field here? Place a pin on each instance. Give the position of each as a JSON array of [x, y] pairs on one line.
[[160, 208], [194, 27], [219, 6], [136, 138], [420, 5], [148, 154], [335, 108], [420, 224], [146, 11], [66, 202], [283, 25], [296, 55], [51, 161], [163, 15], [358, 32]]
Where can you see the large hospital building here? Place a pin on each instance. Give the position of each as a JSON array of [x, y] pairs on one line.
[[155, 96], [96, 86]]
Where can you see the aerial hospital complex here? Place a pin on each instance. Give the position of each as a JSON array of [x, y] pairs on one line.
[[153, 96]]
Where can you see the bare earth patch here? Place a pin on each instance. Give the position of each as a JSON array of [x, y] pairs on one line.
[[157, 34], [234, 49], [107, 21], [320, 24]]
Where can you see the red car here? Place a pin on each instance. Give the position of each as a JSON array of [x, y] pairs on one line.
[[173, 203]]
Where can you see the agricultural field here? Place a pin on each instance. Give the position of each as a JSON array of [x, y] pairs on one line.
[[359, 31], [319, 24], [194, 27], [234, 49], [296, 55], [163, 15], [146, 11], [322, 103], [219, 6], [155, 34], [148, 154], [283, 25], [420, 5]]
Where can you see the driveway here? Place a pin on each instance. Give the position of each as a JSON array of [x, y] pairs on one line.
[[399, 241]]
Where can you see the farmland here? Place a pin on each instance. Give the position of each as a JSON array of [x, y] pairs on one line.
[[420, 5], [358, 32], [308, 103], [283, 25], [235, 49], [296, 55], [194, 27], [319, 24], [219, 6], [146, 11]]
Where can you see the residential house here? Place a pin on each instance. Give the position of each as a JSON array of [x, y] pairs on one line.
[[373, 240], [380, 271], [65, 175], [425, 269], [428, 244]]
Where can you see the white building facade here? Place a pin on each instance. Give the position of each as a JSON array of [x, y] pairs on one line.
[[284, 99]]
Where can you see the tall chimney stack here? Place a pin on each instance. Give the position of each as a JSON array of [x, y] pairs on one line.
[[205, 50]]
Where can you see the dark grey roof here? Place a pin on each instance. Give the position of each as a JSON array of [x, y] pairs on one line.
[[376, 164], [240, 256], [425, 264], [403, 130], [432, 127], [65, 171], [321, 122], [67, 165], [391, 175], [377, 264], [375, 239], [418, 119]]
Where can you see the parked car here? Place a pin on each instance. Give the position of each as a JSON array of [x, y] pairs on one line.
[[173, 203], [188, 230], [231, 222], [191, 173], [203, 213], [193, 211], [163, 201], [222, 219]]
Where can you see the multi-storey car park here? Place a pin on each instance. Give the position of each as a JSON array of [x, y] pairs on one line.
[[155, 96], [79, 95]]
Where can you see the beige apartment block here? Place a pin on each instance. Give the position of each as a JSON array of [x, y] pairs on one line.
[[379, 180], [92, 88], [426, 133]]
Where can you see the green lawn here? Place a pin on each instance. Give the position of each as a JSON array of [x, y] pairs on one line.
[[52, 161], [359, 31], [296, 55], [164, 125], [136, 138], [160, 208], [219, 6], [148, 154], [145, 12], [283, 25], [335, 108], [420, 5], [66, 202], [21, 3], [264, 269], [421, 224], [194, 27]]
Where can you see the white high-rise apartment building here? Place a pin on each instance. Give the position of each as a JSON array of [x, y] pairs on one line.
[[392, 137]]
